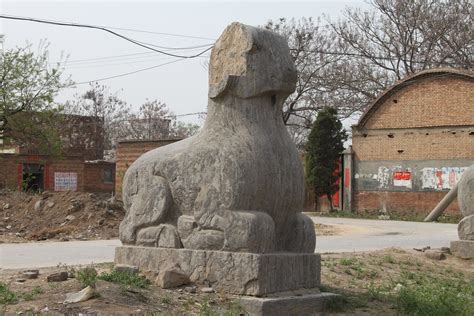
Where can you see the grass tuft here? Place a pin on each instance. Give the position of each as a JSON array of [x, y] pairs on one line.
[[126, 279], [6, 295]]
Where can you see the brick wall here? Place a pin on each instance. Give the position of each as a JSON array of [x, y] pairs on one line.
[[401, 203], [428, 121], [70, 165], [8, 171], [414, 144], [442, 101], [11, 169], [96, 177], [128, 152]]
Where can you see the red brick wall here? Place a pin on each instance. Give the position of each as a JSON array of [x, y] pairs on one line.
[[439, 101], [65, 165], [431, 119], [94, 177], [8, 171], [11, 173], [402, 203], [128, 152]]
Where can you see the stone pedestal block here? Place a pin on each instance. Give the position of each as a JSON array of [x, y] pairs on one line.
[[291, 305], [463, 249], [231, 272]]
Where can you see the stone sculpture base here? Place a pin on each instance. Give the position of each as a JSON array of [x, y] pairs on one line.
[[463, 249], [290, 305], [231, 272]]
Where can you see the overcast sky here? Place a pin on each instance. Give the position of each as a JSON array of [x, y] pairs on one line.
[[182, 85]]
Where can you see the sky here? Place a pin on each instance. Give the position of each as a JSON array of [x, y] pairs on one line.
[[94, 54]]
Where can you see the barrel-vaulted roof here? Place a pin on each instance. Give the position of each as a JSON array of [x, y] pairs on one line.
[[409, 80]]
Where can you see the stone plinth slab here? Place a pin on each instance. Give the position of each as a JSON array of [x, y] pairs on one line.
[[231, 272], [308, 304], [463, 249]]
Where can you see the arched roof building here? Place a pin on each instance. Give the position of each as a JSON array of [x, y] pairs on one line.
[[414, 141]]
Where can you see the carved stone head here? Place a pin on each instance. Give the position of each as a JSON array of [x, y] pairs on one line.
[[247, 62]]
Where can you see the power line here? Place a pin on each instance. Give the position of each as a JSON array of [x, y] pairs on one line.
[[161, 33], [102, 29], [128, 73], [116, 58]]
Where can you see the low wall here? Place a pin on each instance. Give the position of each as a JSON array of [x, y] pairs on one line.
[[402, 203]]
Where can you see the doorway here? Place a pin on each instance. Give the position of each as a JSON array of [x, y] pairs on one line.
[[33, 178]]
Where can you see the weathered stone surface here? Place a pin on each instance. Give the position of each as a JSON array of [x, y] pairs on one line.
[[466, 192], [308, 304], [30, 274], [435, 255], [81, 296], [171, 276], [232, 272], [463, 249], [39, 206], [57, 277], [124, 268], [466, 228], [238, 185], [163, 236]]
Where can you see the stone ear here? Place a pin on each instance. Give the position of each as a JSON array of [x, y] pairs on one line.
[[224, 86]]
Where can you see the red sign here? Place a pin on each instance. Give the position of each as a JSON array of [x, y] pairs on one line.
[[401, 175]]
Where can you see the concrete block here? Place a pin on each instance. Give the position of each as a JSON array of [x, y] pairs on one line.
[[463, 249], [231, 272]]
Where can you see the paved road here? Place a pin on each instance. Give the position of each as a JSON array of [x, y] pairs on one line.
[[365, 234], [360, 235]]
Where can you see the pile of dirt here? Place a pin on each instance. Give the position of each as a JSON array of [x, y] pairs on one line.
[[58, 216]]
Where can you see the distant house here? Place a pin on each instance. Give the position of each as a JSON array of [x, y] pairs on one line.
[[130, 150], [412, 144], [79, 166]]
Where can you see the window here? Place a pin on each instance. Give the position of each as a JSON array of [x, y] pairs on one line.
[[108, 176]]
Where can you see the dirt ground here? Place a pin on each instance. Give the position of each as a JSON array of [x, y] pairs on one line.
[[358, 277], [58, 216], [63, 216]]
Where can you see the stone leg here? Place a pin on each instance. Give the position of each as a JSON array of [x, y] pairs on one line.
[[241, 231], [302, 235], [147, 207]]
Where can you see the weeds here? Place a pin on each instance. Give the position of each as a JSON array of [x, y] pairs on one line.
[[126, 279], [6, 295], [421, 295], [166, 300], [30, 296], [86, 276]]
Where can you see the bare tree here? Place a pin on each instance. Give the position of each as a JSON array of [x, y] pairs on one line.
[[154, 120], [348, 63], [110, 110]]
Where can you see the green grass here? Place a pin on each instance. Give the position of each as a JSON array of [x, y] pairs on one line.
[[126, 279], [429, 295], [6, 295], [30, 296], [86, 276]]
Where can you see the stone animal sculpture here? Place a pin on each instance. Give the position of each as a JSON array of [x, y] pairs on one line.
[[464, 190], [238, 185]]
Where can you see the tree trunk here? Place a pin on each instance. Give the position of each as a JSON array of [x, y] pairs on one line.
[[331, 208]]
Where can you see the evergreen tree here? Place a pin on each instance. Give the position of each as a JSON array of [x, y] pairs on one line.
[[323, 149]]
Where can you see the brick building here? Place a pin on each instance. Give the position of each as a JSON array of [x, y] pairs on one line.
[[413, 143], [78, 168], [130, 150]]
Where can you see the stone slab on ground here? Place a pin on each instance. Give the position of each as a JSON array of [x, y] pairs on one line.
[[308, 304], [463, 249], [231, 272]]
